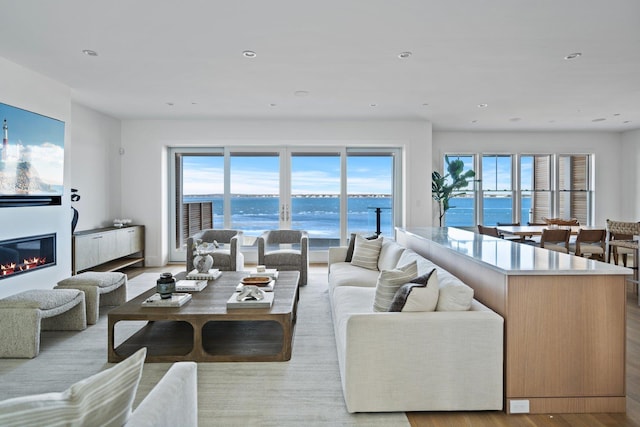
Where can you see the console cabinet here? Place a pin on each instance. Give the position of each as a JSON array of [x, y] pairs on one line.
[[107, 249]]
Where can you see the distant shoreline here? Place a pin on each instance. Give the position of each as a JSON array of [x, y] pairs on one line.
[[370, 196]]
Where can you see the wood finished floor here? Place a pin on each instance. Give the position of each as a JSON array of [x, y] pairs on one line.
[[500, 419]]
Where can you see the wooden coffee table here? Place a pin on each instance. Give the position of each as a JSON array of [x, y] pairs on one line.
[[203, 330]]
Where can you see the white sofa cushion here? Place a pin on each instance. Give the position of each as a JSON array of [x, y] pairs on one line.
[[454, 294], [104, 399], [366, 252], [389, 255], [389, 281], [345, 274], [421, 294]]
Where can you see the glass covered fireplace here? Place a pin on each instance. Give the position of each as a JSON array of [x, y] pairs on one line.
[[18, 256]]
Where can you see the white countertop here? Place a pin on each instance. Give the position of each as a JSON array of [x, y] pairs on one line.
[[513, 258]]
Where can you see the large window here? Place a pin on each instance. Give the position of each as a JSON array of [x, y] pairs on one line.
[[327, 192], [574, 191], [535, 185], [462, 207], [497, 189], [548, 185], [370, 193]]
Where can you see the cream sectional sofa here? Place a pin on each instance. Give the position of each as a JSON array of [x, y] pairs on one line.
[[413, 361]]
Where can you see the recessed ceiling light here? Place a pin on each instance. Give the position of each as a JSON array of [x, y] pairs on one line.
[[90, 52], [249, 54], [599, 120], [373, 105], [404, 55], [616, 114], [170, 104], [301, 93], [273, 105], [515, 119], [425, 104], [573, 55], [483, 105], [627, 121], [474, 121]]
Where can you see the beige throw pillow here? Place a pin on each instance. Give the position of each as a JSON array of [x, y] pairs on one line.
[[388, 283], [421, 294], [366, 252], [104, 399]]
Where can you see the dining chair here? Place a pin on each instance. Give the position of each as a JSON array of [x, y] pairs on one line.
[[509, 236], [618, 231], [560, 221], [589, 242], [555, 239], [488, 231]]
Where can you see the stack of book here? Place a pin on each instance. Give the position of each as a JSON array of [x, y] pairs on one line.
[[190, 285], [176, 300], [213, 274]]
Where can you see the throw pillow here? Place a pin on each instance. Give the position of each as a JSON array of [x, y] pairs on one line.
[[104, 399], [388, 283], [366, 252], [352, 244], [421, 294], [454, 294]]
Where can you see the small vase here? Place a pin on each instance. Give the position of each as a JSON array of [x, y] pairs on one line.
[[166, 285], [203, 263]]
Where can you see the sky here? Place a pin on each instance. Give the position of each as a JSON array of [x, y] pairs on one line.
[[309, 175]]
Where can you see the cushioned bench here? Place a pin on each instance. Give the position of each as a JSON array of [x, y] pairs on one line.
[[100, 289], [25, 314]]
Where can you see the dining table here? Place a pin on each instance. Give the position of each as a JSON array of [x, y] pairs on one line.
[[524, 231]]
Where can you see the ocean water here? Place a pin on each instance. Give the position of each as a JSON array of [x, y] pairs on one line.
[[318, 215], [496, 209]]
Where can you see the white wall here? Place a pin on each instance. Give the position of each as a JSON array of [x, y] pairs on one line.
[[94, 165], [25, 89], [144, 163], [629, 186], [606, 147]]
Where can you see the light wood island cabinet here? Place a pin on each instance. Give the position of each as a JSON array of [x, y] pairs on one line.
[[107, 249], [564, 317]]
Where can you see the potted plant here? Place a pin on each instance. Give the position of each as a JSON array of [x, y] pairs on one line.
[[443, 187]]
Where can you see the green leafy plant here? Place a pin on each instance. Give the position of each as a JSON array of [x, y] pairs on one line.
[[443, 188]]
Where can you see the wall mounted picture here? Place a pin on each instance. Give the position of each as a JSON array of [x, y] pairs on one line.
[[31, 158]]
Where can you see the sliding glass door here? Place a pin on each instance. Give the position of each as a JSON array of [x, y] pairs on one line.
[[328, 192]]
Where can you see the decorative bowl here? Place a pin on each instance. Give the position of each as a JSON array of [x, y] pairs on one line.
[[256, 280]]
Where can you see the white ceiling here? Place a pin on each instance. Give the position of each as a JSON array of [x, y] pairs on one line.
[[508, 54]]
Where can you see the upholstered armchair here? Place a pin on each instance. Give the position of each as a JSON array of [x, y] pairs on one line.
[[227, 256], [285, 250]]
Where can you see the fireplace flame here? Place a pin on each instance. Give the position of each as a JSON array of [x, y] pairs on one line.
[[8, 268]]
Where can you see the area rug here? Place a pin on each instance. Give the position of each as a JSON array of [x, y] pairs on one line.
[[305, 390]]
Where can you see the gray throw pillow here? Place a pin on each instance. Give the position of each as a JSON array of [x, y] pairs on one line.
[[421, 294]]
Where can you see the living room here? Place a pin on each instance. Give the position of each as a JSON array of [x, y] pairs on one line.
[[120, 165]]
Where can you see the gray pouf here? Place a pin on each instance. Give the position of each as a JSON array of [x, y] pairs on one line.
[[100, 288], [25, 314]]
